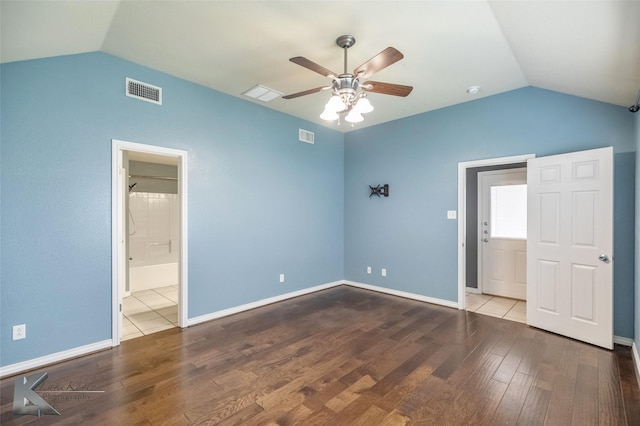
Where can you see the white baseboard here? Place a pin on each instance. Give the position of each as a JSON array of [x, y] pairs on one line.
[[12, 369], [624, 341], [18, 367], [406, 295], [270, 300], [636, 360], [259, 303], [106, 344]]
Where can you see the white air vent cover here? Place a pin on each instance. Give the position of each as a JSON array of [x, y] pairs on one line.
[[143, 91], [262, 93], [305, 136]]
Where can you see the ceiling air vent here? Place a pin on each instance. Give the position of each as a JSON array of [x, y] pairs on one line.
[[305, 136], [262, 93], [143, 91]]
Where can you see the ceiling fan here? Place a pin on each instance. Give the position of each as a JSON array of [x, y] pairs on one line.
[[348, 91]]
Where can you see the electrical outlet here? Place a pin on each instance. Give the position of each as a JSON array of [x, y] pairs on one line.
[[368, 269], [19, 331], [451, 214], [281, 278], [384, 272]]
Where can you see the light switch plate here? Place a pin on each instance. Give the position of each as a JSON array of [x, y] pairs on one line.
[[451, 214]]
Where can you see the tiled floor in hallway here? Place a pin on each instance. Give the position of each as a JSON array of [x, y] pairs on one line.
[[149, 311], [501, 307]]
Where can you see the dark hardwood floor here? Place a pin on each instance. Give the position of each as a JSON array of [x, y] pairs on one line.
[[343, 356]]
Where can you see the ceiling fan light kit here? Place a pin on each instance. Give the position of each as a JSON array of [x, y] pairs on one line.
[[341, 103], [348, 93]]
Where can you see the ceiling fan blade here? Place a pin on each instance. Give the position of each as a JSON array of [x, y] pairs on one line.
[[382, 60], [306, 92], [304, 62], [387, 88]]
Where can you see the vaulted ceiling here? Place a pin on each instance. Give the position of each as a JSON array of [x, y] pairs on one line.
[[584, 48]]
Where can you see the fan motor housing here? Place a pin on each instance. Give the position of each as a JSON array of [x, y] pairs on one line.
[[346, 83]]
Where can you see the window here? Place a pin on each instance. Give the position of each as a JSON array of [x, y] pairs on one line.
[[509, 211]]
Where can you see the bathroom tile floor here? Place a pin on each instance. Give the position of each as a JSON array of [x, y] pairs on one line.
[[501, 307], [149, 311]]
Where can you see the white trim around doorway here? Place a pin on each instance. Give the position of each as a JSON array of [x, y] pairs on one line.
[[117, 229], [462, 212]]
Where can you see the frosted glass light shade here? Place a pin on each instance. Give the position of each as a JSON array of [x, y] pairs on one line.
[[329, 114], [335, 104], [354, 117], [363, 106]]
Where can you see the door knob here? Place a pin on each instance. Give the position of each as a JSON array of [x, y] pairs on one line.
[[604, 258], [486, 240]]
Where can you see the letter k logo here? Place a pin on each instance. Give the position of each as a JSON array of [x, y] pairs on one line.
[[26, 401]]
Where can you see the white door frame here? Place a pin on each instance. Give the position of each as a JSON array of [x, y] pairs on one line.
[[117, 229], [462, 212]]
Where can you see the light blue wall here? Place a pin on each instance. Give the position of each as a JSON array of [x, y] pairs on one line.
[[409, 234], [261, 203]]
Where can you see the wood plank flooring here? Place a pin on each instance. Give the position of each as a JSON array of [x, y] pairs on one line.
[[343, 356]]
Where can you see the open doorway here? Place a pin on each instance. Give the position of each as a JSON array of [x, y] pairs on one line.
[[149, 228], [150, 302], [502, 244], [470, 238]]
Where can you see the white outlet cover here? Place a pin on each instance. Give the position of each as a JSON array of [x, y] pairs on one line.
[[368, 269], [281, 278], [19, 332], [384, 272], [451, 214]]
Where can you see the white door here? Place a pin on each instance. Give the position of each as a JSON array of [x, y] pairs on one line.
[[570, 244], [502, 210]]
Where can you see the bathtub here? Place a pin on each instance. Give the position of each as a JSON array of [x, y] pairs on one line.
[[153, 276]]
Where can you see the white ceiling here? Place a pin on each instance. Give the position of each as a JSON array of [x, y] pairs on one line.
[[585, 48]]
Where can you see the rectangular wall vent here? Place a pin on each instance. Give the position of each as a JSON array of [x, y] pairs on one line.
[[305, 136], [143, 91]]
